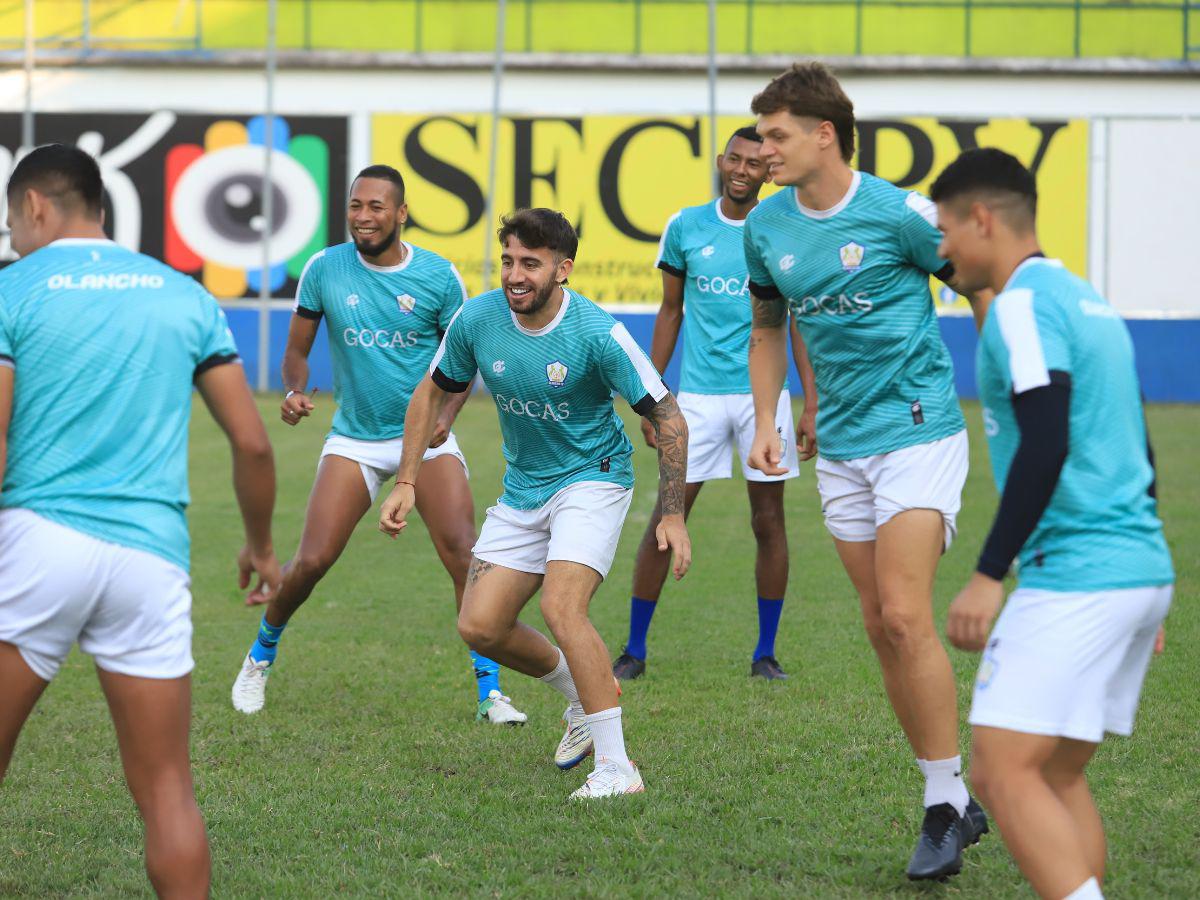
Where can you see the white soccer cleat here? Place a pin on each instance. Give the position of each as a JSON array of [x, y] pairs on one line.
[[250, 687], [499, 710], [610, 779], [576, 743]]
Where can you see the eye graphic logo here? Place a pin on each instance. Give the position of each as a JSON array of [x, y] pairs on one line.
[[214, 206]]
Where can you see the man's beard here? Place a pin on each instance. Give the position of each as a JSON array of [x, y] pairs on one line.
[[369, 249], [540, 298]]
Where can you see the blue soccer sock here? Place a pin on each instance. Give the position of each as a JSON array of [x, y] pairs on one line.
[[266, 645], [640, 613], [487, 674], [769, 612]]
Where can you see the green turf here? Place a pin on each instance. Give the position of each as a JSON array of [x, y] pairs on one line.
[[1153, 29], [366, 774]]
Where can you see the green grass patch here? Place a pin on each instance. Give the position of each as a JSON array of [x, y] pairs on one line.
[[367, 776]]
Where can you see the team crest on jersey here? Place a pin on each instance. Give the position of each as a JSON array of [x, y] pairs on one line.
[[352, 300], [852, 256], [406, 303], [708, 251], [787, 262], [498, 367], [556, 373]]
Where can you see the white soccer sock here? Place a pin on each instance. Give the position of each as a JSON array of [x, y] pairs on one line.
[[921, 764], [560, 679], [944, 784], [1089, 890], [607, 735]]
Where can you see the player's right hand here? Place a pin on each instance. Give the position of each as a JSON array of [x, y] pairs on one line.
[[649, 434], [295, 407], [393, 515], [270, 575], [766, 453]]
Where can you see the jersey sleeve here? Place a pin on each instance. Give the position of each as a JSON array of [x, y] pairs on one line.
[[453, 297], [1035, 337], [920, 238], [7, 343], [453, 366], [762, 285], [627, 370], [216, 341], [670, 248], [308, 289]]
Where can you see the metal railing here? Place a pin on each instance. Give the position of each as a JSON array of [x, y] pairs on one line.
[[1149, 29]]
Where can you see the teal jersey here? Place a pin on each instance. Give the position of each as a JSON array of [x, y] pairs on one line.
[[704, 248], [856, 278], [105, 344], [553, 389], [1101, 529], [384, 325]]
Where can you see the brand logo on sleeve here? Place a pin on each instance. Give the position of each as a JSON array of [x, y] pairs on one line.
[[787, 262], [352, 300], [556, 373], [498, 367], [708, 251], [852, 256], [406, 303]]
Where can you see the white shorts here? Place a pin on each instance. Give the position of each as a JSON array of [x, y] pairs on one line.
[[130, 609], [1069, 664], [860, 495], [720, 424], [379, 460], [581, 523]]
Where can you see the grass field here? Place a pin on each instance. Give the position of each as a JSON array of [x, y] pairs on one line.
[[367, 776]]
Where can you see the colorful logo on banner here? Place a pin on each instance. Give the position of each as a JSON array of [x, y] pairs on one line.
[[619, 178], [215, 198]]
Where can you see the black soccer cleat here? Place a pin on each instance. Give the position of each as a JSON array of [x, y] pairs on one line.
[[944, 836], [627, 667], [768, 668]]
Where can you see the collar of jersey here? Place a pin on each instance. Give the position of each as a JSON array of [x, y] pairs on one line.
[[736, 223], [1031, 261], [549, 326], [78, 242], [836, 208], [399, 267]]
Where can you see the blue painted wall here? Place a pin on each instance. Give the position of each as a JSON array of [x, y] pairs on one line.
[[1168, 352]]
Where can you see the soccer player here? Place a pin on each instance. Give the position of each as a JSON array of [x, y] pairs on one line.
[[852, 255], [1063, 415], [553, 362], [386, 304], [704, 271], [99, 350]]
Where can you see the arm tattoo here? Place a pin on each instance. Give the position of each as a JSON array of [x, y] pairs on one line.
[[768, 313], [479, 568], [672, 432]]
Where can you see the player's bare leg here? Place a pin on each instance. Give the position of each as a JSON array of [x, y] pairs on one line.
[[769, 525], [1009, 769], [152, 718], [494, 597], [22, 688], [566, 594], [338, 501], [1065, 774]]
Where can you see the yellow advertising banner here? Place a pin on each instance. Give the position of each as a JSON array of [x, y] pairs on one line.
[[619, 178]]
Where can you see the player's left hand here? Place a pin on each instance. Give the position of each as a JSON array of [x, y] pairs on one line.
[[270, 576], [806, 434], [973, 611], [672, 535], [441, 431]]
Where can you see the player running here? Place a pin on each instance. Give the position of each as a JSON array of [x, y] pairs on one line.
[[93, 537], [553, 362], [704, 271], [1063, 415], [386, 304], [851, 255]]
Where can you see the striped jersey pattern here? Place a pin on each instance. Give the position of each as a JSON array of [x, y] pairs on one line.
[[384, 325]]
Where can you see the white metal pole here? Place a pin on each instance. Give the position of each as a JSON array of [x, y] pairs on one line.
[[489, 249], [268, 208], [712, 88], [27, 112]]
